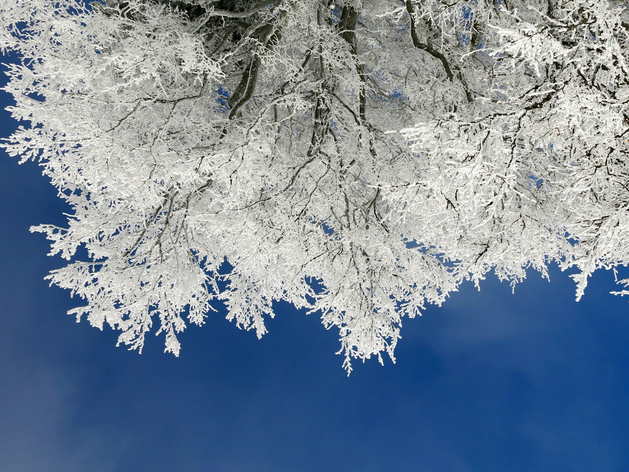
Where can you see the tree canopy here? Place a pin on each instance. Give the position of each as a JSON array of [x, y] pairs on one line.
[[359, 159]]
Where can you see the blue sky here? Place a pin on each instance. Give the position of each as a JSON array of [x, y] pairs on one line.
[[489, 382]]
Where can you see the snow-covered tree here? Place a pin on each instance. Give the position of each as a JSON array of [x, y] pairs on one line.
[[359, 159]]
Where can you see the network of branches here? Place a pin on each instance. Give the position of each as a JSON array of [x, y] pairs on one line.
[[358, 159]]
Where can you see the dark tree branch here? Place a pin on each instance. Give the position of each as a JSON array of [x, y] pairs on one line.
[[410, 8]]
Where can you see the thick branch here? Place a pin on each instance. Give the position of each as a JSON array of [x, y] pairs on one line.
[[433, 52], [347, 26], [244, 90]]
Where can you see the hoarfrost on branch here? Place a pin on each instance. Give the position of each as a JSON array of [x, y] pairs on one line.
[[359, 159]]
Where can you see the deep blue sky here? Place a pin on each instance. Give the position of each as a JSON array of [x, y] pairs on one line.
[[489, 382]]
